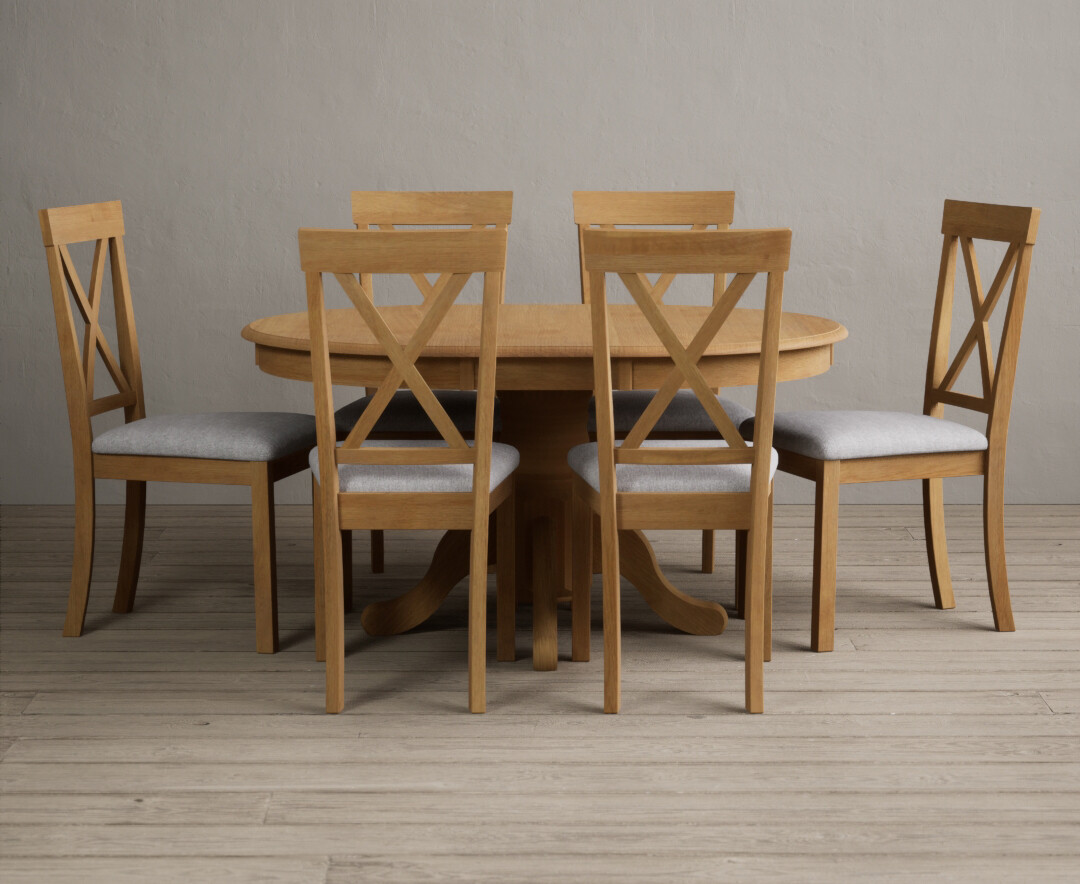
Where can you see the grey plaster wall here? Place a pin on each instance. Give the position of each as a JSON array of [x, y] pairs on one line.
[[224, 126]]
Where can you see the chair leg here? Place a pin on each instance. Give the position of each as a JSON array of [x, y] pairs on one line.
[[609, 545], [581, 581], [82, 562], [545, 592], [826, 517], [708, 551], [320, 589], [936, 550], [347, 569], [768, 604], [131, 554], [478, 573], [754, 627], [333, 613], [740, 574], [506, 582], [265, 559], [377, 549], [994, 540]]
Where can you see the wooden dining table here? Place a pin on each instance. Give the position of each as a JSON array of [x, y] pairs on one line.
[[544, 378]]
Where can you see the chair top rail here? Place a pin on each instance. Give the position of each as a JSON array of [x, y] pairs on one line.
[[402, 251], [984, 221], [72, 224], [686, 251], [654, 207], [432, 207]]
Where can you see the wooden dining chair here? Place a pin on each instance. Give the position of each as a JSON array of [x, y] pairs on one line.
[[679, 484], [420, 483], [834, 448], [230, 448], [386, 210], [698, 210]]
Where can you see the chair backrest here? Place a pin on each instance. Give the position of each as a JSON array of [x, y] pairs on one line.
[[386, 209], [608, 209], [103, 225], [457, 255], [630, 254], [961, 224]]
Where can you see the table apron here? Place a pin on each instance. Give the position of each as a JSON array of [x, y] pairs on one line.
[[549, 373]]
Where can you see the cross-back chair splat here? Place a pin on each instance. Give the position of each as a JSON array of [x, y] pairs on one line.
[[94, 342], [686, 361], [940, 382], [403, 359]]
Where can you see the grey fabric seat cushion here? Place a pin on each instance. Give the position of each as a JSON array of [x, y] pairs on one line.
[[404, 414], [845, 435], [684, 413], [444, 478], [226, 435], [665, 479]]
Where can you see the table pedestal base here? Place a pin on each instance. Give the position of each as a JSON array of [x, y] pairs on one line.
[[543, 426]]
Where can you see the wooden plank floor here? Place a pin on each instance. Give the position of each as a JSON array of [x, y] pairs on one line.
[[160, 747]]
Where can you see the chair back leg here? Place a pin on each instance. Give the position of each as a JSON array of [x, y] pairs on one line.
[[320, 589], [377, 560], [740, 574], [82, 564], [506, 581], [708, 551], [581, 580], [994, 540]]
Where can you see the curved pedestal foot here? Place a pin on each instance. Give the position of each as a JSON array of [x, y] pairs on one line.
[[449, 564], [638, 564]]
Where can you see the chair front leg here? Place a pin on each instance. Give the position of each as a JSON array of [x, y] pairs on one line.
[[333, 609], [131, 555], [754, 625], [936, 550], [82, 560], [826, 518], [478, 572], [768, 603], [264, 556], [609, 547], [994, 540]]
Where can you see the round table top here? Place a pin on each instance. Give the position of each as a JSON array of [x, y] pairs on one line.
[[537, 337]]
